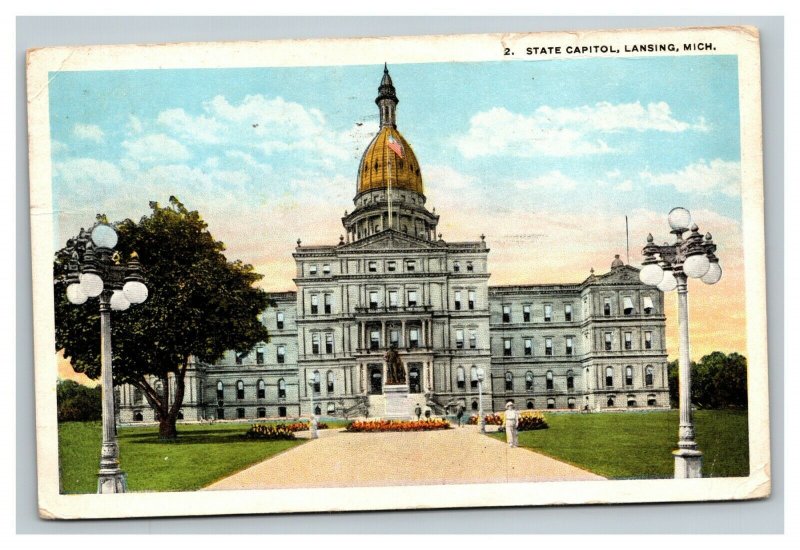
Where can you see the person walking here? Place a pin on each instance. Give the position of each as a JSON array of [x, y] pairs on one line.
[[512, 423], [460, 414], [418, 411]]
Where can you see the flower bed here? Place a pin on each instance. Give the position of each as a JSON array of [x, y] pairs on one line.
[[303, 426], [493, 419], [280, 431], [398, 425], [528, 420]]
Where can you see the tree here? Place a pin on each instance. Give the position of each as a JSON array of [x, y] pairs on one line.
[[199, 305], [77, 402], [719, 381]]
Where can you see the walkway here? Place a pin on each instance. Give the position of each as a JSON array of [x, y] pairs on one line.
[[460, 455]]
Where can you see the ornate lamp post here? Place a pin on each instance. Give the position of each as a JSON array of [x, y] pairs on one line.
[[94, 271], [481, 420], [668, 267], [313, 421]]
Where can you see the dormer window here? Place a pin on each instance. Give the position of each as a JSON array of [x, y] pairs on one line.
[[312, 270]]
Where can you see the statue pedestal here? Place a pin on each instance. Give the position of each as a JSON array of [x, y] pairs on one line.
[[396, 402]]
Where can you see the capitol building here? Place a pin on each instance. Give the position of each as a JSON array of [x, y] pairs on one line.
[[392, 282]]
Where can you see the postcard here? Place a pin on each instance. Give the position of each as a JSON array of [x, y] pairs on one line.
[[399, 273]]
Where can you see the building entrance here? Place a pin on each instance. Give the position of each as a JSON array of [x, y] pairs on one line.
[[376, 379]]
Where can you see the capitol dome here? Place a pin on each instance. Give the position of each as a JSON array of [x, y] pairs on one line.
[[379, 163]]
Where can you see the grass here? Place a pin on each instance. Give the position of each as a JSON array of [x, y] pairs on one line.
[[639, 445], [203, 454]]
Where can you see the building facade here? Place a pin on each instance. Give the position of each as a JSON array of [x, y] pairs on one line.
[[392, 282]]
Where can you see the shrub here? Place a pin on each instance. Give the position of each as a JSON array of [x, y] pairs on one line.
[[398, 425], [78, 403], [270, 431], [529, 420]]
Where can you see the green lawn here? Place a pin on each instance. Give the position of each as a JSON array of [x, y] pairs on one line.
[[639, 445], [202, 455]]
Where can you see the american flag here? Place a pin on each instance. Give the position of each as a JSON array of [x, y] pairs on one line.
[[395, 146]]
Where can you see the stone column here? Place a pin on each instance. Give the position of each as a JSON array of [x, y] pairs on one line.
[[403, 338]]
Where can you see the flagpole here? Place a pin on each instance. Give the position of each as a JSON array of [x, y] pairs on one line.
[[389, 187]]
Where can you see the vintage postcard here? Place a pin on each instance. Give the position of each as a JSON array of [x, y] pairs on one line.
[[393, 273]]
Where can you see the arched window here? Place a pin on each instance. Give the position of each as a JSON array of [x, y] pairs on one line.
[[281, 388], [551, 403], [262, 389], [330, 381], [239, 390], [529, 381], [549, 380], [631, 400], [262, 412], [648, 375], [570, 380], [609, 376], [571, 403], [331, 409], [220, 390], [651, 400], [509, 381], [610, 401], [317, 410], [137, 416], [529, 405], [473, 377], [629, 376], [460, 378], [316, 381], [180, 415], [474, 405]]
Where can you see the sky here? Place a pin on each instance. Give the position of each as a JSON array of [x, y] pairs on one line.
[[546, 158]]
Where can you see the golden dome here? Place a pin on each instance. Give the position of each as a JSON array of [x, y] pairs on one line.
[[379, 161]]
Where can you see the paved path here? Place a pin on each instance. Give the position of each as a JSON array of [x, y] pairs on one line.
[[460, 455]]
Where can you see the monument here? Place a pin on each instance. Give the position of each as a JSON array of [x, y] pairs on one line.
[[396, 389]]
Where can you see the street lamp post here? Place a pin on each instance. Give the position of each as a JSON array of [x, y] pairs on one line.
[[313, 421], [94, 271], [668, 267], [481, 420]]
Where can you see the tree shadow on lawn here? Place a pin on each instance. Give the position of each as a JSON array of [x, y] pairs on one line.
[[200, 437]]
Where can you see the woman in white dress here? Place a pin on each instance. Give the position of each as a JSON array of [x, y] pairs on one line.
[[512, 422]]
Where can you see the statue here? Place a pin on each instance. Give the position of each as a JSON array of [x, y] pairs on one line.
[[395, 371]]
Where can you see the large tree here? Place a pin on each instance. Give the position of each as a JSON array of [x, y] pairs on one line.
[[199, 305], [719, 381]]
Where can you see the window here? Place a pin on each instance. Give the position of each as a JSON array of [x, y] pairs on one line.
[[239, 357], [529, 381], [326, 269], [315, 343], [220, 413], [373, 299], [627, 305], [509, 381], [628, 340], [569, 345], [261, 391], [457, 301], [137, 416], [411, 265], [330, 381], [327, 303], [609, 376], [281, 388], [314, 304], [571, 403], [412, 298], [610, 401], [469, 267], [651, 400], [507, 347], [392, 298], [317, 410], [262, 412], [316, 381], [240, 413], [394, 338], [648, 305], [474, 405], [260, 356], [279, 319], [570, 380], [460, 384], [374, 339], [220, 391], [551, 403], [529, 405], [506, 314], [629, 376], [281, 354], [391, 265], [608, 341], [239, 390], [568, 312], [473, 339], [413, 338], [282, 412], [456, 267], [606, 306], [549, 380], [528, 346], [312, 270], [471, 298], [328, 342], [137, 396], [548, 312], [459, 339], [331, 409], [473, 377], [548, 346], [631, 401], [526, 314], [648, 340], [648, 376], [372, 266]]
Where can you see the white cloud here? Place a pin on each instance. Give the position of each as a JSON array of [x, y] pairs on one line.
[[626, 185], [702, 178], [446, 178], [134, 125], [155, 148], [564, 132], [88, 132], [553, 180], [613, 174]]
